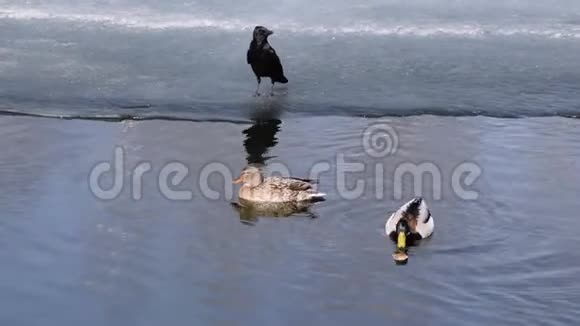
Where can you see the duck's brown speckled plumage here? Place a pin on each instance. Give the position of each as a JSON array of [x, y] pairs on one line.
[[275, 189]]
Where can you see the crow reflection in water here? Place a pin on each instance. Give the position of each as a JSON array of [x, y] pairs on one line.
[[259, 138]]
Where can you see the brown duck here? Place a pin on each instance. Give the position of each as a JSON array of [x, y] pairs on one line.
[[256, 188]]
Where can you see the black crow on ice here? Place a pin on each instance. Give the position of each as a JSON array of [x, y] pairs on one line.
[[263, 59]]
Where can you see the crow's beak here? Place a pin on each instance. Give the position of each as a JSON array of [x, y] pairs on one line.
[[270, 32], [238, 180]]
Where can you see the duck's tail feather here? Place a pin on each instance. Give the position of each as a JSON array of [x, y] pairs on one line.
[[312, 181], [317, 196]]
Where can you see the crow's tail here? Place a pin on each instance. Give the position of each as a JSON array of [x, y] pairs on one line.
[[281, 79]]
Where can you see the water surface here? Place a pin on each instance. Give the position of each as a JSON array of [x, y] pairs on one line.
[[508, 257]]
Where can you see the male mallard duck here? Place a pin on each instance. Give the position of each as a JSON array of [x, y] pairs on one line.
[[410, 223], [256, 188]]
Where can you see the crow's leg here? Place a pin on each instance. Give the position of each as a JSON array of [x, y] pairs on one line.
[[272, 89], [257, 93]]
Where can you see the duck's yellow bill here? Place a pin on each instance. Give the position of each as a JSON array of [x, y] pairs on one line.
[[401, 241]]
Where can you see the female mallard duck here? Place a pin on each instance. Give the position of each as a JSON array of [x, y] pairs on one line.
[[256, 188], [410, 223]]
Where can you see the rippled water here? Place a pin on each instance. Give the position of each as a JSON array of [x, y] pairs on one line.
[[508, 257]]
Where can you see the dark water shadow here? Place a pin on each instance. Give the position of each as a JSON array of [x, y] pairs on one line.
[[265, 114], [259, 139]]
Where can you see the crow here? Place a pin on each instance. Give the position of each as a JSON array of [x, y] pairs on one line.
[[264, 60]]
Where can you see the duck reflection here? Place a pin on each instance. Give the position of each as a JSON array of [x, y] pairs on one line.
[[250, 211], [260, 137]]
